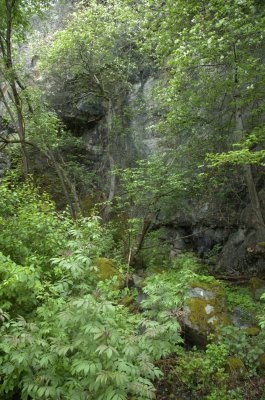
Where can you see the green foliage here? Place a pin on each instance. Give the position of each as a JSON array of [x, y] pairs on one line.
[[43, 127], [155, 252], [262, 317], [212, 255], [247, 348], [212, 53], [77, 348], [30, 227], [20, 288], [63, 338], [97, 46], [22, 12], [64, 333], [152, 181], [153, 185], [240, 297], [201, 372], [166, 290]]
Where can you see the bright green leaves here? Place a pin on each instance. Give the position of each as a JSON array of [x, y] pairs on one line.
[[21, 13], [248, 152], [212, 53], [153, 184], [95, 49], [77, 345], [70, 343], [30, 229], [94, 361], [20, 287], [237, 157]]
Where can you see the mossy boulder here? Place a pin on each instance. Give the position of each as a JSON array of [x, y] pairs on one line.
[[236, 367], [261, 361], [129, 302], [252, 331], [88, 204], [108, 270], [257, 287], [205, 310]]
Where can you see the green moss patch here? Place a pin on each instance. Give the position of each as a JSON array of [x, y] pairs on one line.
[[236, 367], [107, 269], [206, 307]]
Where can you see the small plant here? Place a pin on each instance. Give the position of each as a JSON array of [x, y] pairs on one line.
[[212, 255], [201, 372], [243, 347]]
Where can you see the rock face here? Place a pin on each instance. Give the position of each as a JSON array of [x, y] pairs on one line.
[[223, 235], [240, 253], [231, 243], [143, 117]]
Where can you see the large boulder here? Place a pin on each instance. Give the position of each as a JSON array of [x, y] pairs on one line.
[[204, 311], [242, 254]]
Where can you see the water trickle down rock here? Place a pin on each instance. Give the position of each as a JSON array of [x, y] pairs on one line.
[[143, 117]]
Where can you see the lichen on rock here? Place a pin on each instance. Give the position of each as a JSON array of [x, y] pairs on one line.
[[205, 309]]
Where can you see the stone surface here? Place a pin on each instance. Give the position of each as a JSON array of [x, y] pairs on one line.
[[240, 255], [204, 311], [143, 117]]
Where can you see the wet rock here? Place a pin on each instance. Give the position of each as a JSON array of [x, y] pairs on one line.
[[240, 318], [138, 281]]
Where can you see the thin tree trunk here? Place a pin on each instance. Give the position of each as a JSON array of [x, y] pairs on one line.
[[248, 175], [112, 187], [7, 56], [62, 177], [73, 191], [146, 226]]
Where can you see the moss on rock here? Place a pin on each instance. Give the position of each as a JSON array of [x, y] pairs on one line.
[[206, 315], [256, 283], [257, 287], [236, 367], [213, 285], [261, 363], [107, 269], [205, 309], [252, 331]]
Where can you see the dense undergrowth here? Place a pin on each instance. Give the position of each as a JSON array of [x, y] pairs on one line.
[[66, 333], [106, 308]]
